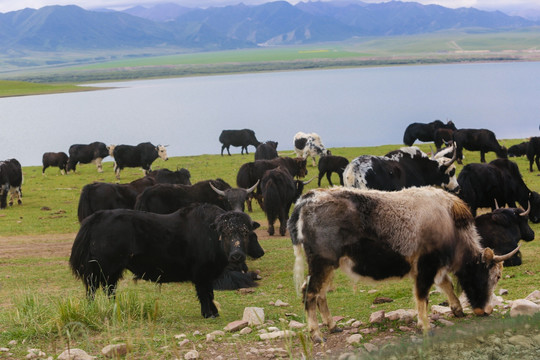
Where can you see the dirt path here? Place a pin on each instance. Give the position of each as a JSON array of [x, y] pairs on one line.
[[51, 245]]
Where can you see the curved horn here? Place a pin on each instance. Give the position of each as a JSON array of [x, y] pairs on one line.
[[496, 204], [528, 209], [432, 152], [454, 156], [253, 187], [500, 258], [307, 182], [219, 192]]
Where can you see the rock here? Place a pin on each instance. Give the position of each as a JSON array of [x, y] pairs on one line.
[[356, 324], [277, 335], [245, 291], [197, 333], [337, 318], [4, 349], [534, 296], [35, 353], [370, 347], [523, 307], [183, 342], [180, 336], [520, 340], [75, 354], [503, 292], [236, 325], [246, 330], [272, 328], [193, 354], [210, 337], [280, 303], [382, 300], [377, 317], [115, 350], [296, 325], [372, 291], [442, 310], [446, 322], [254, 316], [12, 343], [403, 315], [354, 339], [218, 333]]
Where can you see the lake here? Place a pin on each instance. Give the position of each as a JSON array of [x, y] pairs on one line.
[[346, 107]]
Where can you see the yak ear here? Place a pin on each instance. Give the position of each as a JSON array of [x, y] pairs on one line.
[[500, 219], [487, 256], [255, 225], [254, 249]]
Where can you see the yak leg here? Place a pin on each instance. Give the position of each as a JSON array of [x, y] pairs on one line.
[[205, 293], [445, 284], [271, 220], [329, 177], [427, 268], [482, 156], [537, 161], [315, 296], [321, 174], [341, 178]]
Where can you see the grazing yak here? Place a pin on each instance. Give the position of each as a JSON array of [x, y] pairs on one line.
[[500, 180], [141, 155], [533, 152], [85, 154], [167, 198], [266, 151], [402, 168], [424, 232], [166, 176], [329, 164], [309, 145], [482, 140], [11, 178], [424, 132], [194, 244], [518, 149], [57, 159], [242, 138], [502, 229], [252, 172]]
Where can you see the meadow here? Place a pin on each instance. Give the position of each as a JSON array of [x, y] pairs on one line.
[[43, 306]]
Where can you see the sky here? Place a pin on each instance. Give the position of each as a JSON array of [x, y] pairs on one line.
[[12, 5]]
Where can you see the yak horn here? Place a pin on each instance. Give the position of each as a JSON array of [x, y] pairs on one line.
[[219, 192], [432, 152], [496, 204], [253, 187], [528, 209], [454, 156], [500, 258], [310, 180]]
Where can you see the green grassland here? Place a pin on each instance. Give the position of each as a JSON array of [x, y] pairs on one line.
[[43, 306], [473, 45]]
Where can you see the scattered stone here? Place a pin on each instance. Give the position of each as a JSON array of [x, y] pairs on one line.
[[246, 330], [277, 335], [197, 333], [254, 316], [115, 350], [12, 343], [368, 331], [337, 318], [382, 300], [280, 303], [405, 328], [180, 336], [244, 291], [401, 315], [372, 291], [370, 347], [354, 339], [35, 353], [272, 329], [218, 333], [45, 208], [520, 340], [293, 324], [183, 342], [75, 354], [356, 324], [4, 349], [441, 310], [280, 286], [210, 337], [377, 317], [523, 307], [193, 354], [446, 322], [236, 325], [503, 292]]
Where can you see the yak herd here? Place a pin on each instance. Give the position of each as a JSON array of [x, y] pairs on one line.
[[405, 213]]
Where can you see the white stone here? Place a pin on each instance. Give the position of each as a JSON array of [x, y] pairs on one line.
[[254, 316], [441, 310], [280, 303], [246, 330], [401, 315], [272, 329], [503, 292], [193, 354], [535, 295], [179, 336], [218, 333], [377, 317], [115, 350], [277, 335], [354, 339], [293, 324], [183, 342], [523, 307], [75, 354], [370, 347]]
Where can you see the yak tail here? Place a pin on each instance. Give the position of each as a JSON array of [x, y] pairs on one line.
[[298, 247], [79, 260], [272, 200], [84, 210]]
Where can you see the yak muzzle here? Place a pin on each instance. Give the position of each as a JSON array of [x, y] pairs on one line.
[[237, 257]]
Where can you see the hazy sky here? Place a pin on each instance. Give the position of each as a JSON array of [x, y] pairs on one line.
[[11, 5]]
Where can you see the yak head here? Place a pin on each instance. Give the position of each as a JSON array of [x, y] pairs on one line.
[[162, 151], [237, 236]]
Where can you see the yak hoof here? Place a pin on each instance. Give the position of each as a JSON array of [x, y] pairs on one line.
[[336, 330], [319, 339], [458, 312]]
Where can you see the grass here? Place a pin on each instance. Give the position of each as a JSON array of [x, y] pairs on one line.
[[43, 306], [21, 88]]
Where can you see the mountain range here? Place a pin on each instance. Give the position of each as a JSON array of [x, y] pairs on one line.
[[62, 28]]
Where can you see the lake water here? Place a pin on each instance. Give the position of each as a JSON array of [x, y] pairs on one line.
[[347, 107]]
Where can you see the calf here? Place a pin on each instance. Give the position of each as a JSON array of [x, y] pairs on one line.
[[166, 176], [194, 244], [424, 232], [329, 164], [266, 151], [502, 229], [518, 150], [279, 192], [59, 159], [11, 178]]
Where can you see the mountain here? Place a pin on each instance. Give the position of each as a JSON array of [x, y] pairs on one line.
[[58, 28]]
